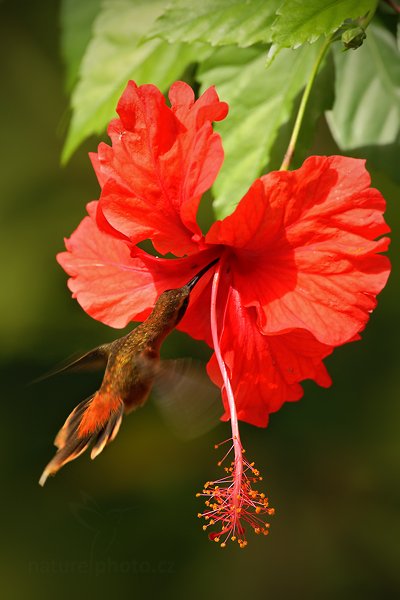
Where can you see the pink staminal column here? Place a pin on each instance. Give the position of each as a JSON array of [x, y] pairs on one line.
[[231, 502]]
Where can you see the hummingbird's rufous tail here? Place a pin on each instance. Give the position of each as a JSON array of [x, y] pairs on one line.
[[94, 421]]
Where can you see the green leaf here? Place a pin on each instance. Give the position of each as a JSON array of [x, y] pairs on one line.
[[260, 102], [217, 22], [299, 21], [76, 27], [367, 106], [115, 55]]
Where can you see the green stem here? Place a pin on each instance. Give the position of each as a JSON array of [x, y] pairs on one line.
[[363, 22], [395, 6], [300, 115]]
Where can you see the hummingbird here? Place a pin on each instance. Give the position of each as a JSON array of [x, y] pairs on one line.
[[131, 366]]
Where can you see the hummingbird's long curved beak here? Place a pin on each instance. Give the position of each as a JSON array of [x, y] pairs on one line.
[[200, 274]]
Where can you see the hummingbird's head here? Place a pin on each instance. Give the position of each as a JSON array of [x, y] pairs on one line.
[[171, 305]]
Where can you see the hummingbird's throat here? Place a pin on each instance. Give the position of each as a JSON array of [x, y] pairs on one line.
[[231, 502]]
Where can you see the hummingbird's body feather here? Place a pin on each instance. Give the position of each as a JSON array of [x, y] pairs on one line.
[[132, 363]]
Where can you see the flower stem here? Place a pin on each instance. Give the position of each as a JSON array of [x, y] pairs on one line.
[[229, 392], [300, 114], [393, 5], [362, 22]]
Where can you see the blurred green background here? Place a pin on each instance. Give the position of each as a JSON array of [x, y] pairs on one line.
[[125, 525]]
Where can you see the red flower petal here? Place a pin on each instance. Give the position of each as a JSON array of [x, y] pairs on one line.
[[114, 283], [303, 247], [193, 114], [265, 371], [158, 166]]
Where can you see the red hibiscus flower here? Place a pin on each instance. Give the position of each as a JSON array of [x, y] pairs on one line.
[[299, 260]]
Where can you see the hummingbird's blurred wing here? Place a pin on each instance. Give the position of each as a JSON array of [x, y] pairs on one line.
[[187, 399], [93, 360]]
